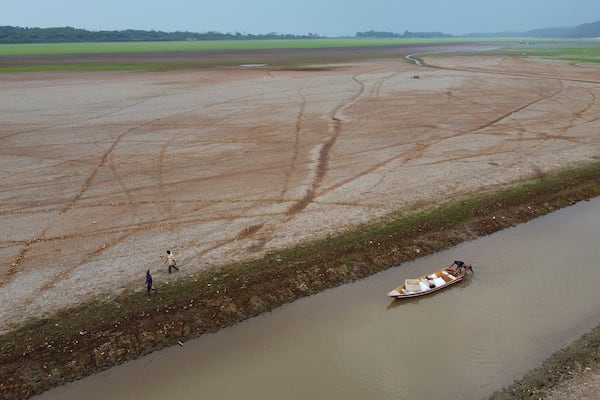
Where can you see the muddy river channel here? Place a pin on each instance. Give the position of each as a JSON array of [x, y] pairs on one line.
[[533, 292]]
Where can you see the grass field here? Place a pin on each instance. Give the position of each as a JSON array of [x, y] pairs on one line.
[[114, 56], [152, 47], [153, 56], [565, 52]]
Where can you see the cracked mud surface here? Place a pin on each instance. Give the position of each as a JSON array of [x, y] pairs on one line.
[[102, 172]]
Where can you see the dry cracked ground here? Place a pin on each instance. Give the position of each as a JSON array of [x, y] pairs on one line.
[[102, 172]]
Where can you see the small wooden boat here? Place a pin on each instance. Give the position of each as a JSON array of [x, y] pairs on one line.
[[427, 284]]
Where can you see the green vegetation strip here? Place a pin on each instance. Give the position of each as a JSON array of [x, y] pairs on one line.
[[81, 68], [565, 52], [159, 56], [99, 334], [29, 49]]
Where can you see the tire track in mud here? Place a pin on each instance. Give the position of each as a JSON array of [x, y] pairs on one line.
[[128, 232], [62, 124], [111, 164], [144, 226], [374, 92], [464, 102], [543, 78], [570, 121], [499, 149], [252, 231], [161, 178], [163, 149], [160, 163], [107, 161], [422, 145], [122, 108], [123, 186], [518, 74], [246, 233], [135, 229], [320, 172], [235, 173], [125, 233], [497, 120], [104, 161], [101, 164], [32, 130], [68, 270], [322, 163], [14, 267], [590, 104], [296, 154], [168, 221], [49, 284], [518, 109]]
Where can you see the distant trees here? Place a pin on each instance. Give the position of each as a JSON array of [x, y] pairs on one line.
[[590, 30], [406, 34], [13, 34], [376, 34]]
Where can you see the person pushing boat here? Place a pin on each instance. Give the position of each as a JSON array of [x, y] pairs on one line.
[[460, 267]]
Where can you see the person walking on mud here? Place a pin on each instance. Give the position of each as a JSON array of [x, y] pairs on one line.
[[171, 261], [148, 281]]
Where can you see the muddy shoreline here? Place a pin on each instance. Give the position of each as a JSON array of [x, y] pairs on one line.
[[100, 334], [570, 373]]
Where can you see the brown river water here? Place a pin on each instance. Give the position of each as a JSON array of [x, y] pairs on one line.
[[533, 292]]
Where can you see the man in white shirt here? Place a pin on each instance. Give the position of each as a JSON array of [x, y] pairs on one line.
[[171, 261]]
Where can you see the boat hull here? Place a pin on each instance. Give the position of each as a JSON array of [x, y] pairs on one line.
[[426, 284]]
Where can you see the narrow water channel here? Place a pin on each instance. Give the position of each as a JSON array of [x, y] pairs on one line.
[[533, 292]]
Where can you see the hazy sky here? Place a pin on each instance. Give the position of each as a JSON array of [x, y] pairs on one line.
[[323, 17]]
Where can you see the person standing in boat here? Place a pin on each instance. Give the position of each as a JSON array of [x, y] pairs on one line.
[[460, 267]]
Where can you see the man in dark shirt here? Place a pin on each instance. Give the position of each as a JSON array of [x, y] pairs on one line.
[[148, 281]]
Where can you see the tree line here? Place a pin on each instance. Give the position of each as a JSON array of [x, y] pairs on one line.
[[589, 30], [14, 34], [405, 35]]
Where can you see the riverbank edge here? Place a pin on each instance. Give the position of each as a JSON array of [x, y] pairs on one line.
[[564, 368], [99, 334]]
